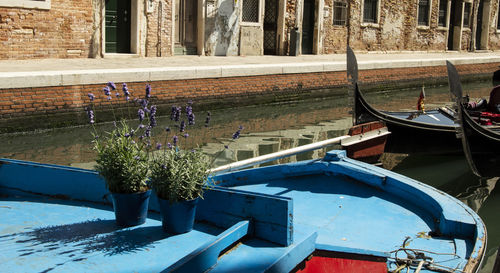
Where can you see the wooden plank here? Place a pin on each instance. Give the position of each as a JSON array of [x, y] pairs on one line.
[[28, 178], [271, 216], [206, 256]]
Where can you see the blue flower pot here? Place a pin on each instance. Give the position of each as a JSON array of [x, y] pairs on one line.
[[131, 209], [178, 217]]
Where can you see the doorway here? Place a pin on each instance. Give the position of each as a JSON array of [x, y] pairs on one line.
[[308, 27], [117, 26], [270, 27], [455, 25], [185, 27]]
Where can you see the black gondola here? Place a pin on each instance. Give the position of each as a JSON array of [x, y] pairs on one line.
[[481, 144], [415, 132]]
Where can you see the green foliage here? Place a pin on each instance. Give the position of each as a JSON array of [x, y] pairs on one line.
[[178, 175], [121, 161]]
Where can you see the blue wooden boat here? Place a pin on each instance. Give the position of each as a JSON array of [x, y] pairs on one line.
[[332, 214]]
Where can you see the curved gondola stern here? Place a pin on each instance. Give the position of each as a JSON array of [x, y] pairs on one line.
[[456, 90], [360, 108], [352, 77]]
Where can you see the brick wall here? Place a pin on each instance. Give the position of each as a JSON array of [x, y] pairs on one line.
[[64, 31], [159, 30], [40, 107]]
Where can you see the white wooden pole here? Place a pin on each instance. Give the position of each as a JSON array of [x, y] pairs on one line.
[[277, 155]]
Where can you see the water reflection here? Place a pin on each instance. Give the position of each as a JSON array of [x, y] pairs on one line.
[[277, 127]]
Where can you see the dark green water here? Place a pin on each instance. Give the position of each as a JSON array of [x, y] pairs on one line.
[[272, 128]]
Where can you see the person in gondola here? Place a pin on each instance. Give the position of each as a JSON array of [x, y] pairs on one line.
[[494, 102]]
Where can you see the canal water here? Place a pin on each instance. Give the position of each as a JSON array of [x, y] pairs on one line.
[[271, 128]]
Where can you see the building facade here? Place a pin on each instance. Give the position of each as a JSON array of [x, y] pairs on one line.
[[31, 29]]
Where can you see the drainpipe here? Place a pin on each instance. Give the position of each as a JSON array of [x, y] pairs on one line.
[[160, 18], [348, 22], [474, 25]]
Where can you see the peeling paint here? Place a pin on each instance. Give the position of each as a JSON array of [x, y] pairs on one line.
[[223, 40]]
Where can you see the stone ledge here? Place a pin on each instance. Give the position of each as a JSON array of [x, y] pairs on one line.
[[99, 76]]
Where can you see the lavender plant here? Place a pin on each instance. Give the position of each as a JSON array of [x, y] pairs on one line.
[[178, 173], [123, 152]]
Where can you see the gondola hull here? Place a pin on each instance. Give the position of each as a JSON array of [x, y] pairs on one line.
[[481, 145], [413, 132]]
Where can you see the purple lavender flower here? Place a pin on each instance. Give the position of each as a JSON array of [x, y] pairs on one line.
[[237, 134], [106, 90], [207, 120], [117, 94], [109, 98], [182, 127], [178, 111], [91, 96], [141, 114], [127, 98], [126, 93], [172, 112], [189, 113], [148, 91], [152, 117], [158, 146], [144, 103], [147, 133], [141, 126], [186, 135], [152, 121], [163, 166], [226, 146], [111, 85], [175, 139], [169, 145], [167, 129], [90, 113]]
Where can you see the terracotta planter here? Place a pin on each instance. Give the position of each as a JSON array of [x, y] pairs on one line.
[[178, 217], [131, 209]]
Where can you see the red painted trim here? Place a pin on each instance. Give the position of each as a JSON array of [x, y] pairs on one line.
[[332, 262]]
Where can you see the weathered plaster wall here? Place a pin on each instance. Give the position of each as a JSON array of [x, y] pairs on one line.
[[222, 28], [63, 31], [251, 41], [334, 37], [466, 39], [158, 29], [494, 33], [397, 28], [290, 22]]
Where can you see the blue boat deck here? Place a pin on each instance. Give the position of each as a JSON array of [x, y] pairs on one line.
[[47, 235]]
